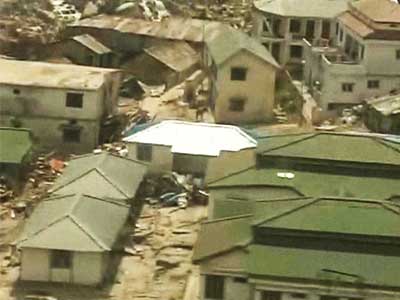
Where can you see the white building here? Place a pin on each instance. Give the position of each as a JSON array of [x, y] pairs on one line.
[[205, 150], [64, 105], [366, 60]]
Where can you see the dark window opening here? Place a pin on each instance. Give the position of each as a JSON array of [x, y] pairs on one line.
[[144, 152], [74, 100], [271, 295], [373, 84], [16, 91], [238, 74], [341, 35], [326, 29], [71, 135], [329, 298], [398, 54], [295, 26], [347, 87], [298, 296], [236, 104], [61, 259], [240, 279], [214, 287], [296, 51], [277, 26], [310, 28]]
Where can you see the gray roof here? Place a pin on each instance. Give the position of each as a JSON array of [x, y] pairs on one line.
[[91, 43], [102, 175], [229, 42], [75, 223], [15, 144], [387, 105], [303, 8]]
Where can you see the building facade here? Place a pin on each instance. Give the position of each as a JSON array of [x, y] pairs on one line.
[[364, 61], [65, 106]]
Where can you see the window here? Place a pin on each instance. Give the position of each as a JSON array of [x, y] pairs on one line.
[[214, 288], [398, 54], [296, 51], [236, 104], [373, 84], [340, 34], [144, 152], [240, 279], [16, 91], [347, 87], [326, 29], [298, 296], [61, 259], [329, 298], [295, 26], [74, 100], [271, 295], [238, 74], [71, 135]]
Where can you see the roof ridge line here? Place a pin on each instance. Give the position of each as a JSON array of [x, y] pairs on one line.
[[88, 233], [72, 180], [233, 174], [384, 143], [98, 170], [212, 221], [108, 200], [284, 199], [312, 135], [288, 134]]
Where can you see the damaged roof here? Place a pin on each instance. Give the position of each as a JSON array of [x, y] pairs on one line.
[[102, 175], [383, 11], [91, 43], [194, 138], [386, 105], [176, 55], [60, 76], [15, 144], [72, 222], [229, 42], [303, 8]]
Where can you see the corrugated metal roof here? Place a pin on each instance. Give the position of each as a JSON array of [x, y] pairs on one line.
[[28, 73], [75, 223], [387, 105], [15, 144], [303, 8], [91, 43], [194, 138]]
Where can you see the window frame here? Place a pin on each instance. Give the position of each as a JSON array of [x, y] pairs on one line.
[[214, 287], [296, 47], [237, 104], [373, 84], [69, 137], [144, 152], [273, 295], [348, 84], [238, 74], [72, 102], [298, 24], [61, 259]]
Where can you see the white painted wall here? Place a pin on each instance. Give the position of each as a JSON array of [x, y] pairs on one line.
[[35, 264], [88, 268], [162, 157]]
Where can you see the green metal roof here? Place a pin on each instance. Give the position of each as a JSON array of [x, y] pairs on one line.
[[314, 184], [75, 223], [15, 144], [229, 42], [101, 175], [332, 147]]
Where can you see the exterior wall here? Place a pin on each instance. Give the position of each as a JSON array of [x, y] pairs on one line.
[[35, 264], [229, 162], [88, 268], [258, 89], [81, 55], [162, 158]]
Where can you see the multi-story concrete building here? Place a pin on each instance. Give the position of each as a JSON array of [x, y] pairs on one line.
[[365, 61], [65, 106], [282, 24]]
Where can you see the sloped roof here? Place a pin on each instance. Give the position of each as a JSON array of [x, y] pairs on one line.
[[387, 105], [360, 28], [314, 184], [331, 147], [383, 11], [176, 55], [102, 175], [194, 138], [51, 75], [74, 223], [91, 43], [229, 42], [303, 8], [15, 144]]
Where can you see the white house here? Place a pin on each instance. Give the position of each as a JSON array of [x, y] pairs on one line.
[[65, 106], [205, 150]]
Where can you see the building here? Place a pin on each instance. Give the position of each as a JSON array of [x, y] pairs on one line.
[[65, 106], [383, 114], [323, 248], [364, 61], [16, 147], [242, 78], [314, 165], [70, 239], [165, 62], [104, 175], [201, 149], [281, 25], [85, 50]]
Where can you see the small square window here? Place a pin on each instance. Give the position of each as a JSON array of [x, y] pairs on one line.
[[398, 54], [214, 287], [271, 295], [61, 259], [238, 74], [373, 84], [296, 51], [240, 279], [74, 100], [144, 152], [295, 26], [236, 104], [348, 87], [325, 297], [71, 135], [298, 296], [16, 91]]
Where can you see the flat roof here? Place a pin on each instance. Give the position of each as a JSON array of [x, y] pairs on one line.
[[41, 74], [387, 105], [194, 138]]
